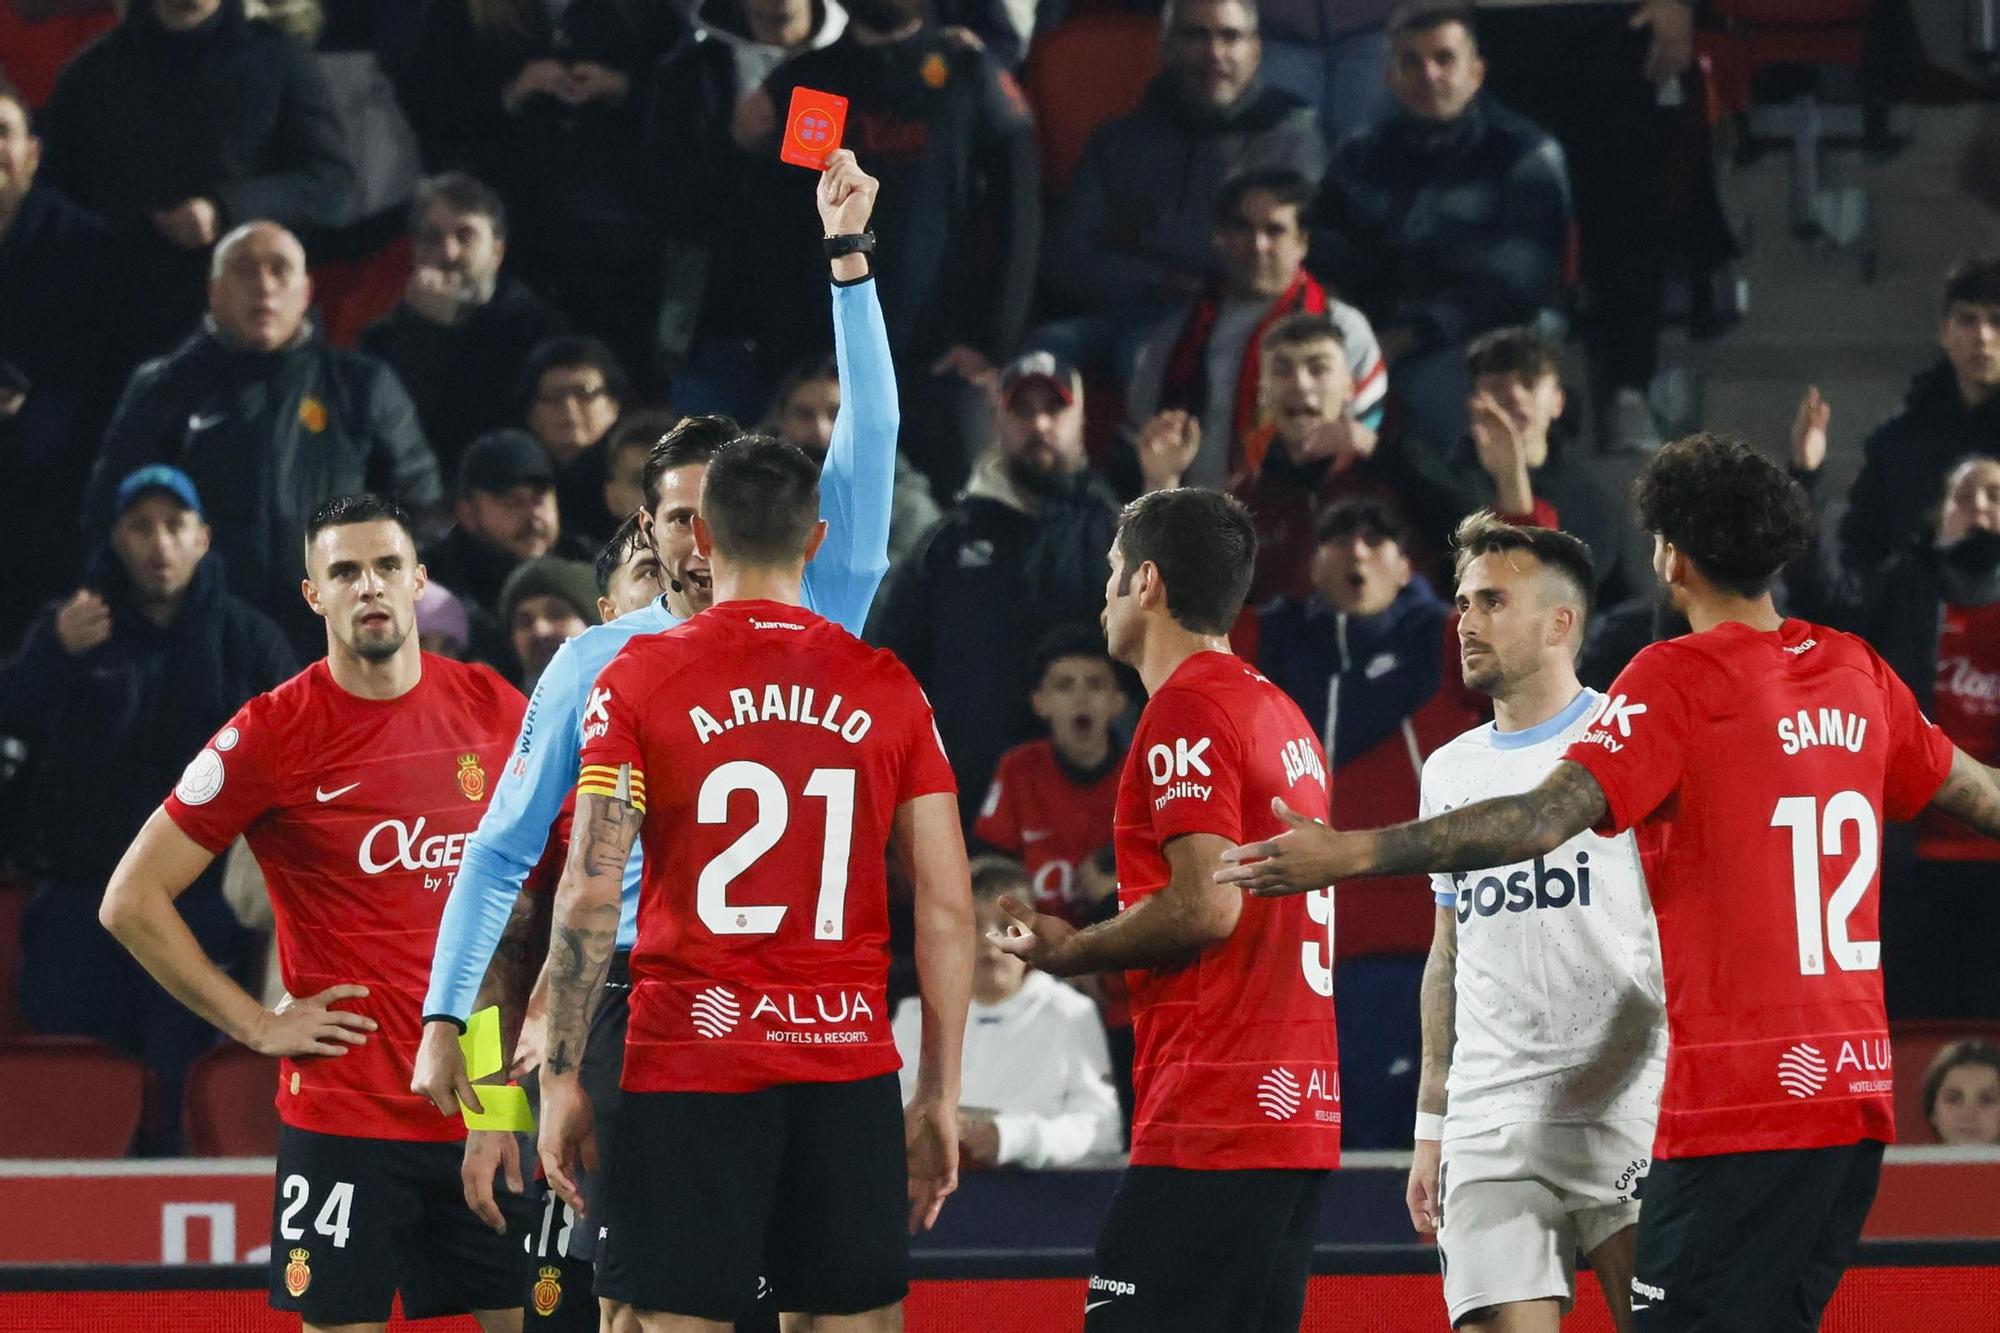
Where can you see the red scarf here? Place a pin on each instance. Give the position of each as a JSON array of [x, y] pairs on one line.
[[1186, 383]]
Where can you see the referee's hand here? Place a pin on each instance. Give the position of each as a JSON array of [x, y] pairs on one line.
[[438, 1075]]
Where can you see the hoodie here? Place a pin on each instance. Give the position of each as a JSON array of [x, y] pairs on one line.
[[1904, 462]]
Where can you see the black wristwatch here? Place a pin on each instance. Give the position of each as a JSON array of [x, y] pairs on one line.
[[852, 243]]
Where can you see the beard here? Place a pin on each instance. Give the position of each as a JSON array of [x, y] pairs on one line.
[[1035, 480]]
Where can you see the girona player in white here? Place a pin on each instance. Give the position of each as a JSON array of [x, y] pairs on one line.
[[1543, 1022]]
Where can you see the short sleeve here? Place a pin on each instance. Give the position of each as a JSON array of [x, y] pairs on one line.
[[609, 737], [1920, 754], [1444, 887], [926, 766], [999, 823], [229, 786], [1637, 740], [1194, 767]]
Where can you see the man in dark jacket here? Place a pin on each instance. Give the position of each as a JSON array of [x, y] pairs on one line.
[[59, 369], [182, 122], [113, 692], [464, 328], [1026, 547], [269, 420]]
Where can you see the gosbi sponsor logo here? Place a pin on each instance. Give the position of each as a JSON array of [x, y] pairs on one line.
[[1544, 887], [1802, 1070]]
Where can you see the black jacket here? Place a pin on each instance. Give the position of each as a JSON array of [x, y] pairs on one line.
[[1904, 462], [464, 378], [267, 436], [231, 111], [109, 732]]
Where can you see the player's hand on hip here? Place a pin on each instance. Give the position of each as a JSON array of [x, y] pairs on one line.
[[1306, 856], [310, 1027], [1035, 936], [488, 1150], [930, 1151], [1424, 1195], [439, 1072], [846, 195], [568, 1137]]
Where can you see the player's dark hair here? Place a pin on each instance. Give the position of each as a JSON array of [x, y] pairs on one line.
[[1565, 555], [1067, 641], [1974, 280], [364, 507], [617, 551], [760, 500], [1204, 546], [1523, 352], [994, 875], [1727, 508], [1287, 185], [568, 352], [1955, 1055], [642, 429], [693, 441], [1300, 330], [1362, 514], [462, 192], [1428, 15]]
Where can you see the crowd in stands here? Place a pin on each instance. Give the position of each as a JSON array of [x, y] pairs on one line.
[[1368, 270]]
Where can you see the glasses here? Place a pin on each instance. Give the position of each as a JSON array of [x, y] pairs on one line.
[[572, 393]]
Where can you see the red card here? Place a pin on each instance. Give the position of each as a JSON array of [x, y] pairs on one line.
[[813, 127]]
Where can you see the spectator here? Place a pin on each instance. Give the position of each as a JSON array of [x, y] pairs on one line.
[[945, 128], [463, 330], [576, 391], [1036, 1080], [1962, 1094], [628, 572], [1933, 612], [1330, 54], [505, 514], [442, 624], [802, 412], [1027, 546], [632, 439], [183, 122], [1605, 80], [1201, 365], [545, 604], [1135, 237], [269, 420], [1950, 411], [58, 369], [1370, 658], [546, 102], [112, 692], [1445, 219]]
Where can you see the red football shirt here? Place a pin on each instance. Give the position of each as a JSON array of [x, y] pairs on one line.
[[357, 810], [769, 749], [1036, 811], [1965, 701], [1234, 1065], [1757, 768]]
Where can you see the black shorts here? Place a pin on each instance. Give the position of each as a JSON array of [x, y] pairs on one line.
[[1205, 1252], [804, 1181], [1751, 1241], [355, 1221]]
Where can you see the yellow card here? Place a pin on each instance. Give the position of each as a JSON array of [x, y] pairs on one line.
[[506, 1108], [481, 1043]]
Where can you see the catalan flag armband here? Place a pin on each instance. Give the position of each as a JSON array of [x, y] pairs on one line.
[[623, 783]]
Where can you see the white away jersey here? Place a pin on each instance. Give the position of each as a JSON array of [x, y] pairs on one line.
[[1561, 1008]]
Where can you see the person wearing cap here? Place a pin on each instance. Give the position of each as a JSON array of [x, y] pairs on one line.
[[1024, 548], [546, 603], [269, 419], [111, 691]]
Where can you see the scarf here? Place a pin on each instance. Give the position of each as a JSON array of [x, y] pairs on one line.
[[1186, 382]]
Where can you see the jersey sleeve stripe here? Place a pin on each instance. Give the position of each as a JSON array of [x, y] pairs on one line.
[[608, 788]]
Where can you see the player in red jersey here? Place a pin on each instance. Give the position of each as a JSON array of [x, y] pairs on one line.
[[1238, 1092], [766, 756], [356, 783], [1756, 758]]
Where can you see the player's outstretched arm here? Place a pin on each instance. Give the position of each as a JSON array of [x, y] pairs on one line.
[[580, 947], [931, 850], [1309, 855], [1438, 1007], [1971, 794], [139, 909], [1194, 910]]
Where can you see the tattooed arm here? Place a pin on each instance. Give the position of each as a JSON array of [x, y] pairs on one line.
[[511, 975], [1486, 833], [1439, 1007], [1971, 794]]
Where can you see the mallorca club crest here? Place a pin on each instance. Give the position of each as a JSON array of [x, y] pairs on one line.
[[298, 1274], [471, 777], [548, 1291]]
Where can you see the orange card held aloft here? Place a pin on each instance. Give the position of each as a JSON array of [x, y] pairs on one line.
[[812, 127]]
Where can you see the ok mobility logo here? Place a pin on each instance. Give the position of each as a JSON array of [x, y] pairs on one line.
[[1173, 769], [1614, 713]]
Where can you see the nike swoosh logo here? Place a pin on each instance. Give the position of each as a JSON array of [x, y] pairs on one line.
[[197, 422], [323, 795], [1093, 1305], [1641, 1307]]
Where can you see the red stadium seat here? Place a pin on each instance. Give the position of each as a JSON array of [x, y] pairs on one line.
[[33, 53], [353, 293], [68, 1097], [1081, 74], [229, 1108], [13, 898], [1912, 1048]]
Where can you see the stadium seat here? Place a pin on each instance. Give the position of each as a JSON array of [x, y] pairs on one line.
[[68, 1097], [1081, 74], [228, 1108], [34, 50], [353, 293], [1912, 1047], [13, 898], [1381, 1049]]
